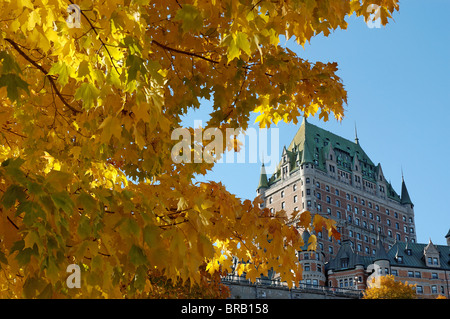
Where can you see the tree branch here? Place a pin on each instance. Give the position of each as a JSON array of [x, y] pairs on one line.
[[40, 68], [184, 52]]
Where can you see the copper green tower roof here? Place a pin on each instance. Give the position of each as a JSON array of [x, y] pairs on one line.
[[405, 199], [312, 144]]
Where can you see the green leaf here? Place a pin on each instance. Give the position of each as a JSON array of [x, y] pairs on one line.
[[134, 64], [63, 201], [151, 235], [87, 202], [3, 258], [137, 256], [88, 93], [62, 70], [242, 42], [9, 64], [191, 19], [13, 193], [57, 180], [83, 69], [84, 227], [13, 82]]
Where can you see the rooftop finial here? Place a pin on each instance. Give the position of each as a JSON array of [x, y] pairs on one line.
[[356, 135]]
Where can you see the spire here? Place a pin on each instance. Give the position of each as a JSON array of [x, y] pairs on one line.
[[263, 178], [405, 199], [356, 135]]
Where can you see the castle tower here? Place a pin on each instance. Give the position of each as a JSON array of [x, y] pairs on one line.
[[326, 174], [312, 263]]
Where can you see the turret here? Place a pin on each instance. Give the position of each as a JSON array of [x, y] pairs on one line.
[[263, 183]]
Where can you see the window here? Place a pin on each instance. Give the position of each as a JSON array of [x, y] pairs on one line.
[[294, 187], [435, 261], [370, 215], [283, 205], [419, 289], [410, 274], [399, 237], [344, 262], [434, 275], [270, 200], [388, 221], [307, 180], [308, 191], [319, 196], [390, 233], [338, 203], [328, 199], [417, 274], [434, 289], [282, 194], [338, 214], [306, 267], [330, 249], [295, 198], [378, 218], [394, 272]]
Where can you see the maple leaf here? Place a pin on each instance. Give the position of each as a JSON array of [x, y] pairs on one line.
[[86, 173]]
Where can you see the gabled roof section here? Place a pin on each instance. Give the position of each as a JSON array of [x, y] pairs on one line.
[[416, 258], [380, 251], [315, 143]]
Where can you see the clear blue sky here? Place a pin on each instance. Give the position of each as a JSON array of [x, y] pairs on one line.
[[398, 83]]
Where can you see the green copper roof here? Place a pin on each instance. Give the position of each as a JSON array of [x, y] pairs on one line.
[[263, 178], [405, 196], [312, 144]]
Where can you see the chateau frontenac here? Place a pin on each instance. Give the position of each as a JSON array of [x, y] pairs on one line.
[[329, 175]]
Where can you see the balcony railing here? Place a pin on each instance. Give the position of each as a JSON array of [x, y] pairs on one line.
[[302, 287]]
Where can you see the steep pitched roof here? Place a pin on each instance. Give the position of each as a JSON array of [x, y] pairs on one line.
[[380, 251], [405, 199], [312, 144], [263, 178]]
